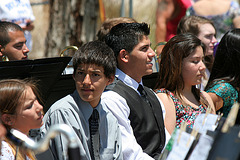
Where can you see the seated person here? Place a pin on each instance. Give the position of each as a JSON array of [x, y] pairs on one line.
[[205, 30], [141, 120], [224, 14], [182, 68], [94, 68], [12, 42], [224, 82], [20, 110]]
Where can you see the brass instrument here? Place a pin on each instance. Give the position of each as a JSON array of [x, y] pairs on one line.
[[63, 54], [155, 49], [67, 48]]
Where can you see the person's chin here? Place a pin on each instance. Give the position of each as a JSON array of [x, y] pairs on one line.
[[86, 96], [209, 52], [149, 71], [198, 82]]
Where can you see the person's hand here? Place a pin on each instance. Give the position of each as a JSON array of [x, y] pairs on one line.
[[26, 25], [29, 25]]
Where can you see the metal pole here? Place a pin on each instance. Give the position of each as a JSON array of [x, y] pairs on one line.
[[130, 8], [122, 14]]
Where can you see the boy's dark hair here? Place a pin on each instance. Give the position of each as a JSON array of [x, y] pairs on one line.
[[5, 27], [98, 53], [126, 36]]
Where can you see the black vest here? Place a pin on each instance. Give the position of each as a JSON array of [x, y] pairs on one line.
[[146, 121]]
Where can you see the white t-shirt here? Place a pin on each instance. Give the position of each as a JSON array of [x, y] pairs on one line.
[[18, 11]]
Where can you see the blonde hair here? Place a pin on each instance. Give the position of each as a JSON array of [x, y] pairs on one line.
[[111, 22]]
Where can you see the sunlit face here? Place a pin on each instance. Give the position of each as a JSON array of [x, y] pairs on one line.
[[207, 36], [16, 49], [193, 68], [90, 82], [29, 114], [140, 59]]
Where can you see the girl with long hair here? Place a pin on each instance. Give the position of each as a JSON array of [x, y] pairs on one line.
[[181, 69], [19, 110]]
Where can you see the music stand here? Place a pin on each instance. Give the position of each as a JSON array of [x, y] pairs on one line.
[[46, 71]]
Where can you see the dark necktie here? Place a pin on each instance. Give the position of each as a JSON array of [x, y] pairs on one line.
[[94, 134], [143, 93]]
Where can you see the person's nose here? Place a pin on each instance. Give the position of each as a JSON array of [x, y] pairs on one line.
[[151, 53], [87, 79], [214, 40], [202, 66], [39, 106], [25, 49]]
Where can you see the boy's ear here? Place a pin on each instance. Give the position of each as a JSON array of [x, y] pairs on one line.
[[123, 55], [73, 75], [111, 79], [7, 119]]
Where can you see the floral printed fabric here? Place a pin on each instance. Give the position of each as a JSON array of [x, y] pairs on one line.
[[6, 152], [223, 22], [186, 114], [228, 94]]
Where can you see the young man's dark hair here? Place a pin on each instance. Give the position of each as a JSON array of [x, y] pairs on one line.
[[96, 52], [126, 35], [5, 27]]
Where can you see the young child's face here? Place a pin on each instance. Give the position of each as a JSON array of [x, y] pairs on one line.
[[29, 114], [90, 82]]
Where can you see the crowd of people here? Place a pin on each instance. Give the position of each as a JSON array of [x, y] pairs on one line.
[[111, 112]]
